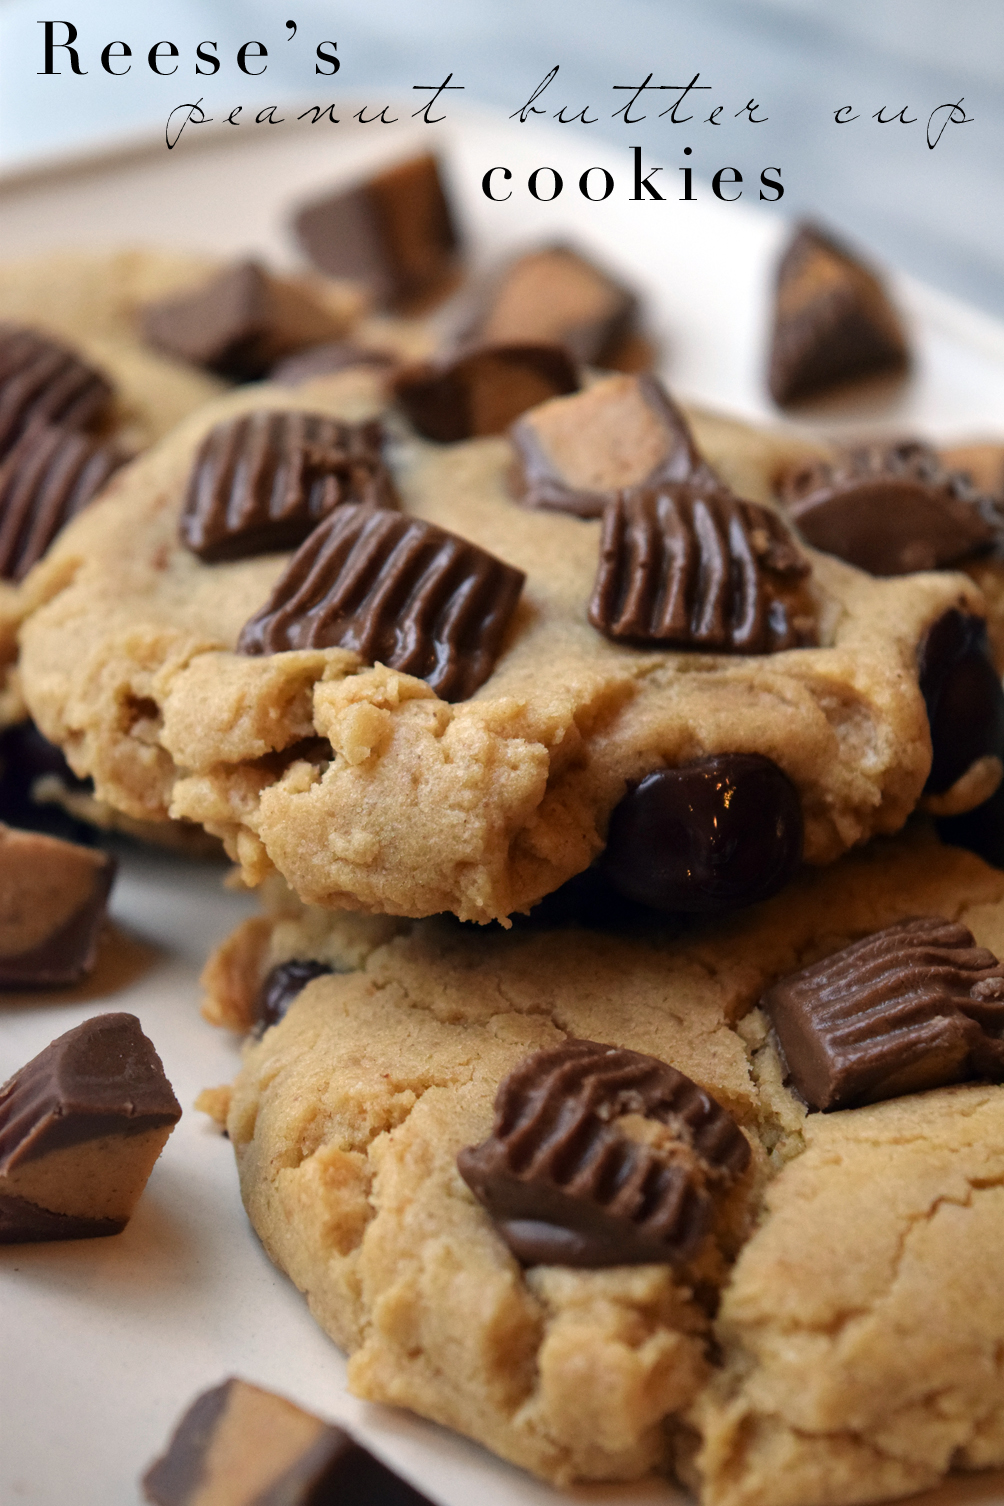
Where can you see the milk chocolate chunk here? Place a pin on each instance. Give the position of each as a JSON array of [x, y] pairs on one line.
[[396, 590], [916, 1006], [42, 382], [600, 1156], [484, 390], [239, 323], [555, 296], [575, 454], [263, 481], [394, 233], [47, 477], [710, 837], [833, 321], [238, 1445], [284, 983], [683, 568], [52, 906], [890, 509], [963, 697], [325, 360], [80, 1129]]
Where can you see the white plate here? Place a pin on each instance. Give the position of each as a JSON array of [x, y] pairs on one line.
[[104, 1342]]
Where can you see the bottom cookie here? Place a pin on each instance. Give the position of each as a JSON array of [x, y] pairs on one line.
[[835, 1339]]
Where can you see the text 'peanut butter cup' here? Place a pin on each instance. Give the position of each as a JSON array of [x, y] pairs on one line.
[[42, 382], [918, 1005], [47, 477], [687, 568], [263, 481], [396, 590], [890, 509], [601, 1156], [482, 391]]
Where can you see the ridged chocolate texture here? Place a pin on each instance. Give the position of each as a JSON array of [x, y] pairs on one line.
[[916, 1006], [284, 983], [962, 695], [688, 568], [398, 591], [890, 509], [43, 382], [47, 477], [262, 482], [566, 1186]]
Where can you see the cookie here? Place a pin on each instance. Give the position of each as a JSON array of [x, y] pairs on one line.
[[364, 788], [782, 1361]]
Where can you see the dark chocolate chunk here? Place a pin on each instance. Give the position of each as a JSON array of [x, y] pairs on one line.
[[288, 1457], [47, 477], [555, 296], [484, 390], [916, 1006], [52, 906], [263, 481], [832, 320], [890, 509], [710, 837], [284, 983], [394, 233], [80, 1129], [42, 382], [963, 696], [325, 360], [397, 591], [690, 569], [980, 830], [575, 454], [239, 323], [600, 1156]]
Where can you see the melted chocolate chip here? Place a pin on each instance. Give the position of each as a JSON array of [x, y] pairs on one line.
[[484, 390], [963, 695], [916, 1006], [712, 836], [282, 986], [263, 481], [690, 569], [42, 382], [396, 590], [566, 1183], [47, 477], [555, 296]]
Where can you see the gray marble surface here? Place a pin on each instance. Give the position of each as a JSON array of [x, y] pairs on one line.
[[936, 213]]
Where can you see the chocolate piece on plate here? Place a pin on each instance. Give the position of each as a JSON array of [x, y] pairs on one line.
[[52, 906], [963, 696], [263, 481], [281, 986], [397, 591], [484, 390], [916, 1006], [832, 320], [325, 360], [238, 1445], [47, 477], [556, 296], [711, 836], [890, 509], [575, 453], [42, 382], [239, 323], [687, 568], [394, 233], [80, 1129], [601, 1156]]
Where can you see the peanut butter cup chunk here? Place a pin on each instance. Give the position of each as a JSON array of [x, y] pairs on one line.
[[263, 481], [555, 296], [833, 320], [575, 453], [80, 1129], [52, 907], [394, 233], [47, 477], [44, 382], [397, 591], [602, 1156], [484, 390], [684, 568]]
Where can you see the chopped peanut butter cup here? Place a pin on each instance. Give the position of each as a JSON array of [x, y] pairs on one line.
[[42, 381], [52, 907], [262, 482], [601, 1156], [397, 591], [556, 296], [47, 477], [483, 390]]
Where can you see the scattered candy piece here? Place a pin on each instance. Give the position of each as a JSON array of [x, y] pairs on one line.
[[42, 382], [557, 297], [484, 390], [47, 477], [52, 907]]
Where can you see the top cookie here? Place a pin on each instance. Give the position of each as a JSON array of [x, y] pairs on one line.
[[367, 790]]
